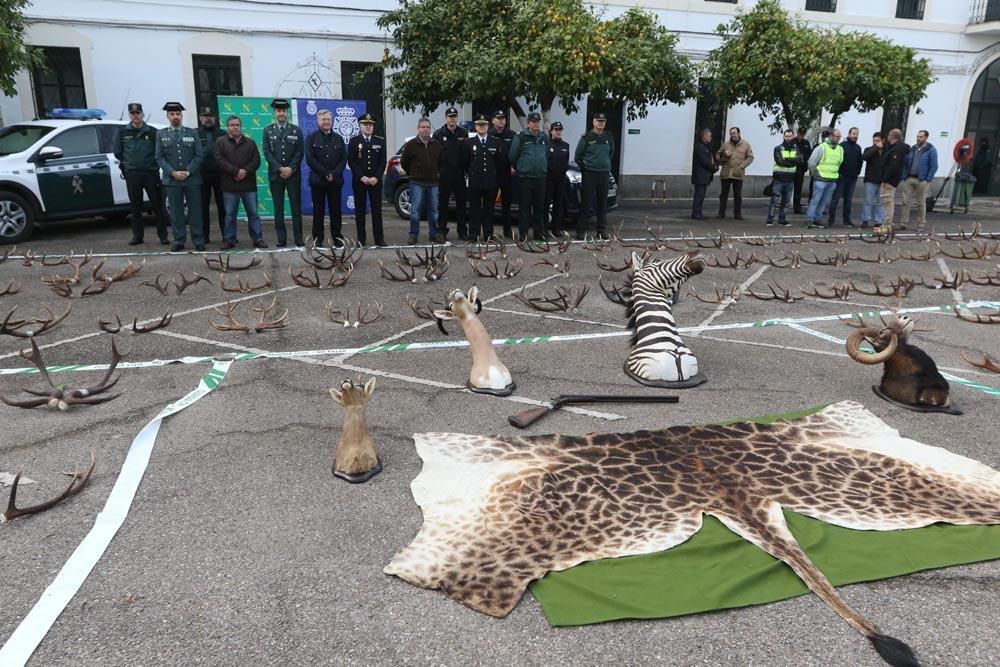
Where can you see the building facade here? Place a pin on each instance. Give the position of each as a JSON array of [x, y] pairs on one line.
[[105, 53]]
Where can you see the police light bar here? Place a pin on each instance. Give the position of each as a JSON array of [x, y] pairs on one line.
[[77, 114]]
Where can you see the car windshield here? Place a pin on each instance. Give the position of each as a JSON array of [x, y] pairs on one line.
[[17, 138]]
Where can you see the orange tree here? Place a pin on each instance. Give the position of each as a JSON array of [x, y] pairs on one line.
[[790, 70], [14, 54], [541, 51]]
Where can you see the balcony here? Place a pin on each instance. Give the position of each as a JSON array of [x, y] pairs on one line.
[[985, 19]]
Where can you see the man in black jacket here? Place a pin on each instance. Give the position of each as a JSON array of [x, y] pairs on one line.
[[890, 173], [209, 132], [482, 159], [366, 158], [326, 157], [872, 156], [555, 179], [703, 170], [451, 175], [850, 169], [786, 162], [805, 148], [504, 176]]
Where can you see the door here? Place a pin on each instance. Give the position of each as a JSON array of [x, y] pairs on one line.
[[80, 180], [106, 136], [615, 111]]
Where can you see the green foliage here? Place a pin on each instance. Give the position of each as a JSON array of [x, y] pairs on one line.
[[14, 54], [791, 71], [540, 50]]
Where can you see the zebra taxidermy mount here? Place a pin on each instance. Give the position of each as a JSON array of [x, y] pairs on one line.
[[659, 357]]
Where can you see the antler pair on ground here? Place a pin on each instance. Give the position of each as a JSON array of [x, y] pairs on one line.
[[76, 484], [355, 314], [99, 283], [58, 396], [224, 263], [339, 275], [265, 321], [12, 327], [112, 328], [566, 299], [408, 272], [348, 254], [161, 285]]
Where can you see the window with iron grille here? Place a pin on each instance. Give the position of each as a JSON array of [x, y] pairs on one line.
[[60, 84], [215, 75], [910, 9], [821, 5]]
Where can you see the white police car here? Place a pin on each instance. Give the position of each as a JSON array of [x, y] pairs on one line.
[[58, 169]]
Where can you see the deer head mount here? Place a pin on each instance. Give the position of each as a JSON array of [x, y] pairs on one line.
[[355, 460]]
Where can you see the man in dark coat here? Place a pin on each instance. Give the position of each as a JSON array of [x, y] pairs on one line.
[[326, 157], [238, 160], [504, 176], [555, 180], [366, 158], [209, 132], [703, 170], [451, 175], [890, 173], [872, 156], [482, 161], [805, 148], [850, 169]]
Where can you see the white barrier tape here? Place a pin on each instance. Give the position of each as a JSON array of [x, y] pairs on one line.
[[32, 630]]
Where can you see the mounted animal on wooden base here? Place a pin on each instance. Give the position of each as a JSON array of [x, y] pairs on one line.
[[355, 460]]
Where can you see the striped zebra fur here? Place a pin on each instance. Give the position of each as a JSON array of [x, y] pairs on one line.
[[659, 356]]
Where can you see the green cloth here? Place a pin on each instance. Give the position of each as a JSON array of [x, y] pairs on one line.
[[716, 569]]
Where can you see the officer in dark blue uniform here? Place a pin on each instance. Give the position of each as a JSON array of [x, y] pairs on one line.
[[482, 160], [504, 178], [451, 174], [283, 150], [555, 178], [326, 157], [366, 157], [179, 152]]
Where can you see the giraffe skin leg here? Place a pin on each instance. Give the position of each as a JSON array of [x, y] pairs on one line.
[[765, 527]]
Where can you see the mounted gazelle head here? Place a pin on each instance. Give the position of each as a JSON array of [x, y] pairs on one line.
[[355, 460], [488, 374]]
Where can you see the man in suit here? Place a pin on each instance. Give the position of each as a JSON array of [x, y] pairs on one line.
[[482, 160], [283, 150], [366, 157], [179, 153], [326, 157], [703, 170]]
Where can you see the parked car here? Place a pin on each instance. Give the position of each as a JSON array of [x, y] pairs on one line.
[[58, 169], [396, 189]]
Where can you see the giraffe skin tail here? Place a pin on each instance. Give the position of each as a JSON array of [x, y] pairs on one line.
[[893, 651]]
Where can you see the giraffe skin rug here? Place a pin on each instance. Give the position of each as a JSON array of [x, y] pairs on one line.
[[500, 512]]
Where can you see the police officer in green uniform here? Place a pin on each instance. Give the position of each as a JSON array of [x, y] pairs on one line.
[[366, 157], [283, 150], [179, 152], [211, 179], [593, 155], [135, 149]]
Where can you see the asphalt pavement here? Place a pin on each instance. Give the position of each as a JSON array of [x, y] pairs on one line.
[[241, 547]]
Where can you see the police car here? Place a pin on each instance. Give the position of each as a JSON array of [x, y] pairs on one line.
[[59, 168]]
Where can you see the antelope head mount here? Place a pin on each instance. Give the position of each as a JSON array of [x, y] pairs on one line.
[[488, 374]]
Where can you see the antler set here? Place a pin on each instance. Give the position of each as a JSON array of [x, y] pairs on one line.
[[245, 287], [488, 268], [76, 484], [265, 321], [64, 285], [12, 327], [224, 263], [566, 299], [58, 396], [162, 285], [112, 328], [354, 315], [339, 275], [349, 254]]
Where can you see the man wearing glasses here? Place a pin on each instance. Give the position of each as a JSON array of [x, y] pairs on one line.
[[135, 149]]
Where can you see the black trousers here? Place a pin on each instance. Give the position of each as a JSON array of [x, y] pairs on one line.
[[593, 192], [210, 184], [452, 183], [555, 201], [505, 191], [532, 206], [373, 194], [699, 200], [323, 197], [481, 203], [737, 185], [293, 186], [137, 182], [800, 177]]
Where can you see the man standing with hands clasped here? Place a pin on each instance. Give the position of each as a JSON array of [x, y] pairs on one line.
[[734, 156], [135, 149], [326, 157], [919, 167], [283, 150], [180, 152], [238, 160], [594, 152], [366, 158], [482, 161]]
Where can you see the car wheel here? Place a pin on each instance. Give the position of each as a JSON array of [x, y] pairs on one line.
[[16, 218], [402, 202]]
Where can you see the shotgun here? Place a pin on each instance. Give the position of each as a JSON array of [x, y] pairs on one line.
[[526, 418]]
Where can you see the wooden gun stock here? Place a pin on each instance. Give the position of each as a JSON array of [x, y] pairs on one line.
[[526, 418]]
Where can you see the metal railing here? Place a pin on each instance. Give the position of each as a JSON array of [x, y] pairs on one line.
[[984, 11]]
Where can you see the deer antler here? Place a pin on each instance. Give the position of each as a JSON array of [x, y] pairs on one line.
[[163, 323], [606, 265], [107, 327], [896, 290], [185, 282], [987, 363], [594, 244], [76, 484], [724, 296], [838, 258], [424, 308], [423, 257], [11, 289], [785, 262], [538, 247], [247, 287], [842, 292], [490, 269], [408, 275], [338, 277], [963, 314], [559, 268], [156, 283], [233, 323], [127, 272], [223, 263], [730, 262], [778, 293], [12, 327], [617, 293], [962, 236], [364, 314], [58, 396], [566, 299], [925, 257], [272, 323]]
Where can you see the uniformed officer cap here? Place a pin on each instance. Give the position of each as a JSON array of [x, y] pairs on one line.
[[556, 126], [534, 115], [451, 112], [134, 107], [206, 111], [173, 106], [279, 103], [499, 113], [482, 118], [600, 115], [366, 118]]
